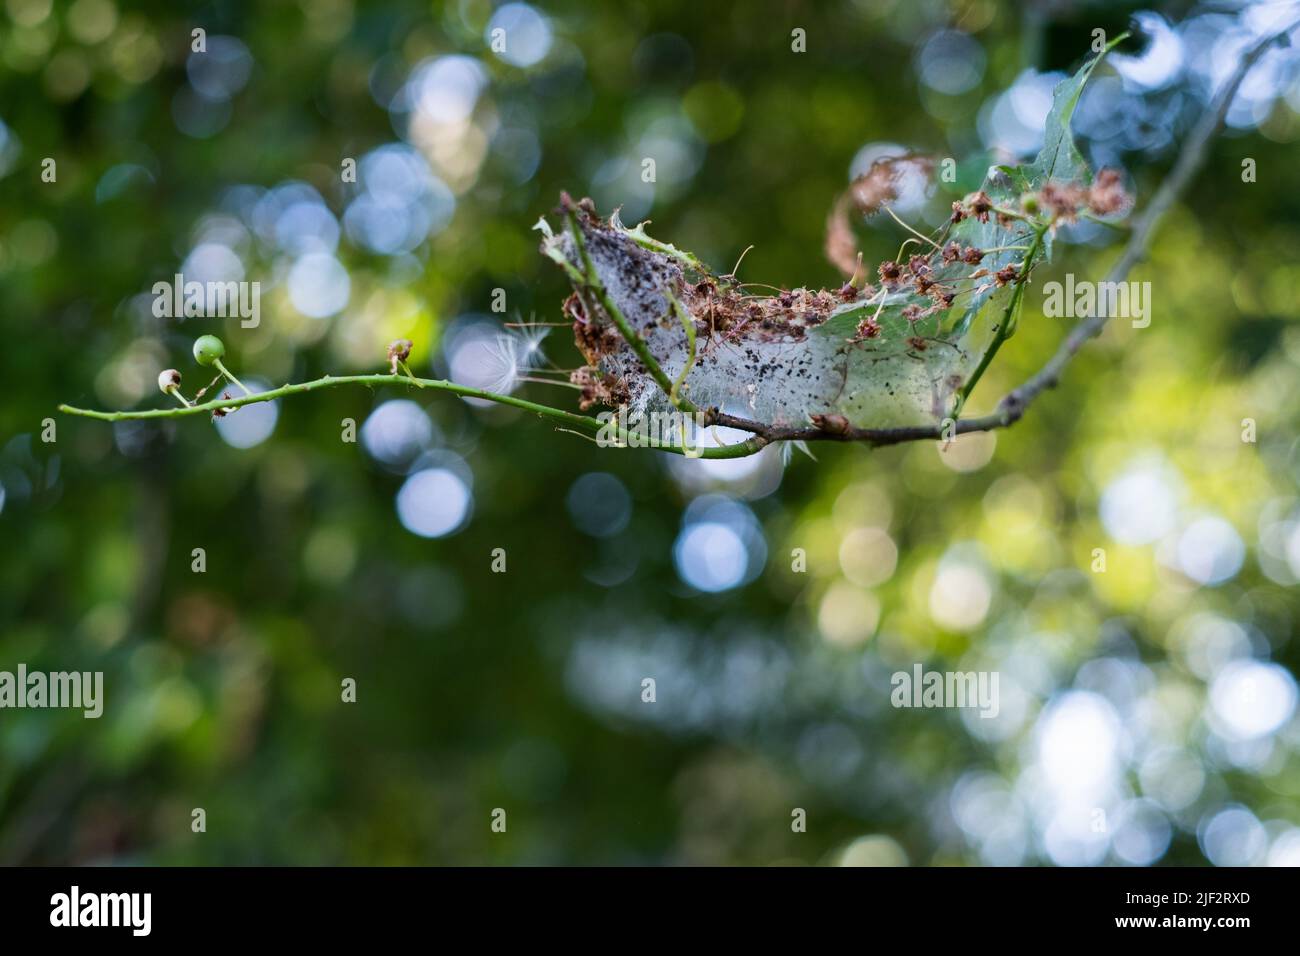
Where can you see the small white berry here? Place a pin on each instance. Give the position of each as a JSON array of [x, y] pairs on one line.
[[168, 379]]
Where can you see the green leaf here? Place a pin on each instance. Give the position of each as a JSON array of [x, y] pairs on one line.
[[1059, 159]]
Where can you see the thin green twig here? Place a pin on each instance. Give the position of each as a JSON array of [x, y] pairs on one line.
[[642, 351], [226, 372], [688, 326], [571, 419], [1008, 324]]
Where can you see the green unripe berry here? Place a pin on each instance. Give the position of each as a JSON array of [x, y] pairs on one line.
[[208, 349]]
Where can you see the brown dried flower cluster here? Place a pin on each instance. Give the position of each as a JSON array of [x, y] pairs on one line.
[[1105, 197], [599, 388], [868, 194]]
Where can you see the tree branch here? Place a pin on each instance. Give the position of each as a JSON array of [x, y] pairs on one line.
[[1009, 410], [584, 423], [1189, 162], [1013, 405]]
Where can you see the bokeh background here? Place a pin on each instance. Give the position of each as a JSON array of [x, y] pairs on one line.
[[1148, 712]]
